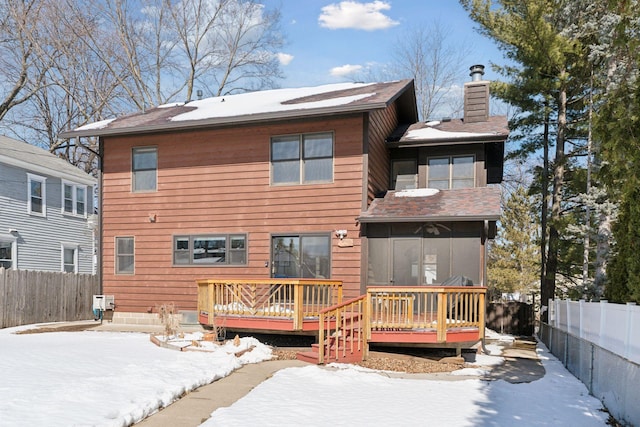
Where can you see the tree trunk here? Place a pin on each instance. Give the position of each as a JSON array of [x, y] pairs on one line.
[[548, 290], [544, 210]]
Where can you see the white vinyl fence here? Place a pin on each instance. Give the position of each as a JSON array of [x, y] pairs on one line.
[[614, 327]]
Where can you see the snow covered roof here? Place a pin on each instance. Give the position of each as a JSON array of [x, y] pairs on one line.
[[454, 131], [37, 160], [265, 105]]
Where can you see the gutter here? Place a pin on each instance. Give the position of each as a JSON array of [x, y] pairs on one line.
[[450, 218]]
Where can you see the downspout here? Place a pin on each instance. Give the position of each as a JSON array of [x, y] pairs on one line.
[[100, 228]]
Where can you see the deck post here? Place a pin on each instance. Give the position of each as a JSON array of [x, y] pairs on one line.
[[481, 316], [210, 302], [298, 309], [321, 339], [441, 332], [366, 321]]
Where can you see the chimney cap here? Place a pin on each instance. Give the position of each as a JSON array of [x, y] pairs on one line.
[[477, 71]]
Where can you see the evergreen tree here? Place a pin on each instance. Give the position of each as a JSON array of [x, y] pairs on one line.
[[618, 127], [547, 84], [514, 260]]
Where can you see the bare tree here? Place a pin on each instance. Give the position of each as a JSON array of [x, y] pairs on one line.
[[247, 40], [426, 55], [19, 79]]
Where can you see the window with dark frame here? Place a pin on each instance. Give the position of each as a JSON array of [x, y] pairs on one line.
[[451, 172], [144, 168], [302, 159], [305, 255], [213, 249], [125, 258]]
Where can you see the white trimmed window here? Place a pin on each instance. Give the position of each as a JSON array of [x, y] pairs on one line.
[[144, 169], [69, 258], [37, 195], [451, 172], [302, 159], [74, 199], [8, 253], [124, 255]]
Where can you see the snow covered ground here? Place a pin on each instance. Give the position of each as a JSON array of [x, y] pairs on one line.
[[115, 379]]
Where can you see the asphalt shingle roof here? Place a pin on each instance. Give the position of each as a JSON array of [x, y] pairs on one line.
[[14, 151], [464, 204]]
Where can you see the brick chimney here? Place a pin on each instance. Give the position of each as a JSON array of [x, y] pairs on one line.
[[476, 96]]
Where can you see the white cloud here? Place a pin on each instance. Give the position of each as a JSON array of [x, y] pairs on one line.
[[345, 70], [360, 16], [284, 58]]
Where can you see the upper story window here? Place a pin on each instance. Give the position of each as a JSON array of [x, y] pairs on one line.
[[125, 255], [451, 172], [404, 174], [74, 199], [144, 168], [302, 159], [37, 200], [225, 249]]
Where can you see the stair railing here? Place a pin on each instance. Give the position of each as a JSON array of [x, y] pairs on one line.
[[343, 330]]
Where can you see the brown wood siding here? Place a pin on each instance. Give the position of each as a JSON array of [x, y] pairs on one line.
[[218, 181], [381, 124]]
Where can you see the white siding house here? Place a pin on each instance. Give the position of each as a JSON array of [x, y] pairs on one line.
[[46, 211]]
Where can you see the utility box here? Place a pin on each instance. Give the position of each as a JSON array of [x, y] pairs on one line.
[[103, 302]]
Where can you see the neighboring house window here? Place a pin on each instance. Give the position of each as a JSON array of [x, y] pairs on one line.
[[144, 168], [451, 172], [124, 255], [302, 159], [7, 254], [225, 249], [70, 258], [74, 199], [301, 256], [37, 203]]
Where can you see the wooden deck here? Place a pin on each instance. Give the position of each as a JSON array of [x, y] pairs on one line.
[[428, 316]]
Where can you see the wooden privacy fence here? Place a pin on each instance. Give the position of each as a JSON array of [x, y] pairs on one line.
[[511, 317], [28, 297]]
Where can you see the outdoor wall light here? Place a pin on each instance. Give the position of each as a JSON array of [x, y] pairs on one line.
[[341, 234]]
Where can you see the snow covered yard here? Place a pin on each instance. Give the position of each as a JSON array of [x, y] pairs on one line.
[[349, 395], [102, 378], [115, 379]]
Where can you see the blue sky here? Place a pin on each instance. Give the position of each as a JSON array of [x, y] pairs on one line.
[[328, 38]]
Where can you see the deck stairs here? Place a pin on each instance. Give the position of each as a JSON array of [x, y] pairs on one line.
[[337, 349], [341, 336]]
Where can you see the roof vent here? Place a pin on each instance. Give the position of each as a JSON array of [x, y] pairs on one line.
[[477, 71], [446, 119]]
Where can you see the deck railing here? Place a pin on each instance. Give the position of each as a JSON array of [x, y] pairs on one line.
[[437, 308], [295, 299], [343, 330]]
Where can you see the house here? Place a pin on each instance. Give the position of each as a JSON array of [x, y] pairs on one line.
[[46, 211], [333, 182]]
